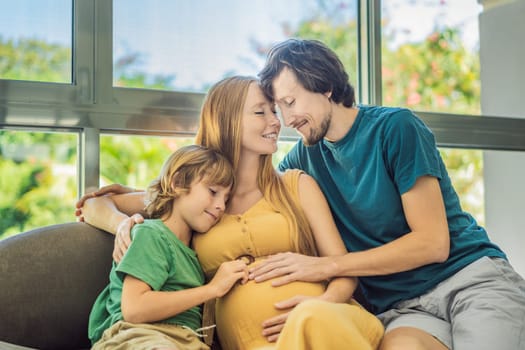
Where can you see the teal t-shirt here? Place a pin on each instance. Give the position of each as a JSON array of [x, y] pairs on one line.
[[157, 257], [363, 176]]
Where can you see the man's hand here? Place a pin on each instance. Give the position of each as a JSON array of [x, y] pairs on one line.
[[109, 189], [291, 267], [123, 235]]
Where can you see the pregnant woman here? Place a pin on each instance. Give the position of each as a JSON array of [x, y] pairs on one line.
[[267, 213], [270, 213]]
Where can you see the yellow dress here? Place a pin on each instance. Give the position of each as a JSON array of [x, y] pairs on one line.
[[259, 232]]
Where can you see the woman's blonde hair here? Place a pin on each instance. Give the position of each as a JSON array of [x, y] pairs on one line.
[[185, 166], [220, 129]]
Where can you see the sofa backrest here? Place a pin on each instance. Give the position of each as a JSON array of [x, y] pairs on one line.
[[49, 279]]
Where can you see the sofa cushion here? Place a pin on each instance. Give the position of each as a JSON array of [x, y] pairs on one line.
[[50, 278]]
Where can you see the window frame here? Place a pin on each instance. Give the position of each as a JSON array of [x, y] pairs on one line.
[[91, 105]]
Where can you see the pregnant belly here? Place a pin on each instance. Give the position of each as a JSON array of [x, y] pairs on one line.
[[240, 313]]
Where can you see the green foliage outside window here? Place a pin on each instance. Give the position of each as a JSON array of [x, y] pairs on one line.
[[135, 160], [37, 179], [34, 60]]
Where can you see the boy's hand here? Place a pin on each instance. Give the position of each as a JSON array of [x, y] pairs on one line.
[[227, 275]]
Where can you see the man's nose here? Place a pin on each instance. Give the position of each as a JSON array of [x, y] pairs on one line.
[[286, 117]]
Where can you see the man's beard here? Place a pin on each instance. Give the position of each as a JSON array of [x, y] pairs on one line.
[[318, 134]]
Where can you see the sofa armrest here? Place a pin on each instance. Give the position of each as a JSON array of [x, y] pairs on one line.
[[50, 278]]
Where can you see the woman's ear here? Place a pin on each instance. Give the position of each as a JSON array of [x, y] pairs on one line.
[[328, 94]]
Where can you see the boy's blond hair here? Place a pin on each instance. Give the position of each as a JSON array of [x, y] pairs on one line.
[[180, 170]]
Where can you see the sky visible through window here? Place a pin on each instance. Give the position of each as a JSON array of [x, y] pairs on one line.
[[198, 42]]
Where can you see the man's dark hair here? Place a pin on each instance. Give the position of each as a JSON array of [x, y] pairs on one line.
[[316, 67]]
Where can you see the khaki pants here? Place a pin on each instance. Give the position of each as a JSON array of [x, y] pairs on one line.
[[128, 336]]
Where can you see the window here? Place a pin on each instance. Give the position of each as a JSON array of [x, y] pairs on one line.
[[119, 81]]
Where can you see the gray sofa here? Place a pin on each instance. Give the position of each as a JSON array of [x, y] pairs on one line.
[[49, 279]]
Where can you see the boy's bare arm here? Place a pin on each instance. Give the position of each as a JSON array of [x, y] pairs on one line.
[[140, 304]]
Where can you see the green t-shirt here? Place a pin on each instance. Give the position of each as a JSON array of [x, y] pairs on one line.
[[157, 257]]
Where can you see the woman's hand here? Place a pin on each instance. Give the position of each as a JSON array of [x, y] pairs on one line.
[[123, 236], [105, 190], [291, 267], [272, 327]]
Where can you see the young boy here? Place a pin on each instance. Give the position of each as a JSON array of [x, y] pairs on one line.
[[154, 295]]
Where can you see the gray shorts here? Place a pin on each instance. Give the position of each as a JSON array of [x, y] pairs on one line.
[[481, 307]]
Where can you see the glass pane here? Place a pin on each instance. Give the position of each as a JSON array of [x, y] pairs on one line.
[[189, 45], [35, 40], [38, 181], [465, 168], [284, 148], [430, 55], [135, 160]]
